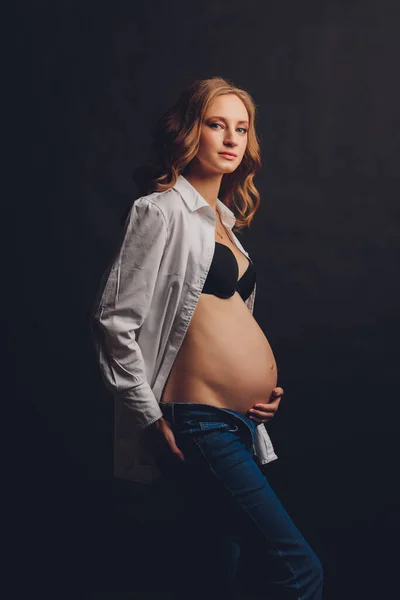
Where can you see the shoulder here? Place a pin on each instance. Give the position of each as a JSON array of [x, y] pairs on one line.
[[155, 206], [168, 202]]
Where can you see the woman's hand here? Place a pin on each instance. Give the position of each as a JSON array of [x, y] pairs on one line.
[[262, 413], [163, 439]]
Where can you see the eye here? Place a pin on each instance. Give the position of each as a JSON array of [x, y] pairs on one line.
[[243, 130]]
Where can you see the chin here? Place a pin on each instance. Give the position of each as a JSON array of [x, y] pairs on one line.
[[226, 168], [217, 168]]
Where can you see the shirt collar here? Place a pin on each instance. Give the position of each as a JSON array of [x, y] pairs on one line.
[[194, 201]]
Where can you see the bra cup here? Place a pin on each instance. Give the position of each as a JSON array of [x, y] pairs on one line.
[[222, 278], [246, 283]]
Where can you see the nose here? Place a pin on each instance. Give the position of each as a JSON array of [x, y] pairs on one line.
[[230, 139]]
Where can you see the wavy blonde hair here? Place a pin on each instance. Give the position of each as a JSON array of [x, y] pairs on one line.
[[176, 141]]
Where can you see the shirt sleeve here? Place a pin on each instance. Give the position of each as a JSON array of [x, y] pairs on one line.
[[122, 304]]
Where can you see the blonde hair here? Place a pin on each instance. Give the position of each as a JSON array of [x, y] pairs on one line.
[[176, 141]]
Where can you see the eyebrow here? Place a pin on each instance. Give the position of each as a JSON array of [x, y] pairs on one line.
[[222, 119]]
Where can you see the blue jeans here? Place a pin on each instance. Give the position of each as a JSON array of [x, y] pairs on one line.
[[237, 533]]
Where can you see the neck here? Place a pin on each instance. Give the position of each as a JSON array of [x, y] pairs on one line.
[[207, 185]]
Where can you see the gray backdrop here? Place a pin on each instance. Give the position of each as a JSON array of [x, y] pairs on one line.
[[90, 80]]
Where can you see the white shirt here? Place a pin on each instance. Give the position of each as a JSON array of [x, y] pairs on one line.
[[143, 309]]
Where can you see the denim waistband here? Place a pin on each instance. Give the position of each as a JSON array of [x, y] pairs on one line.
[[205, 412]]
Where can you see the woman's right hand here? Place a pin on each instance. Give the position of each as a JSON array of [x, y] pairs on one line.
[[162, 434]]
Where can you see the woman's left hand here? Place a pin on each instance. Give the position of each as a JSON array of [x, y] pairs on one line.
[[262, 413]]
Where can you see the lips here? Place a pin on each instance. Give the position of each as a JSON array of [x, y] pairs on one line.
[[228, 154]]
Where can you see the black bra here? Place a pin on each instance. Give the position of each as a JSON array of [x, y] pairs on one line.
[[222, 278]]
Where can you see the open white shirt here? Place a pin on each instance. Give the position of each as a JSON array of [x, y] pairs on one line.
[[143, 309]]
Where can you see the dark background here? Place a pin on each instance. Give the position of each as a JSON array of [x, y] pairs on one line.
[[90, 80]]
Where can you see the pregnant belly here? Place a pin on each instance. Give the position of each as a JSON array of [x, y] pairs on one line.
[[225, 359]]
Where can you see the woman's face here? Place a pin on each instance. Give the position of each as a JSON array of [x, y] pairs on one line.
[[224, 130]]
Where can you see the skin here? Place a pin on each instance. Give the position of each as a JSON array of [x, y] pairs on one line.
[[224, 128], [217, 135]]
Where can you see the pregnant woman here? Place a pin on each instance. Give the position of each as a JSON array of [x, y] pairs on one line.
[[192, 373]]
